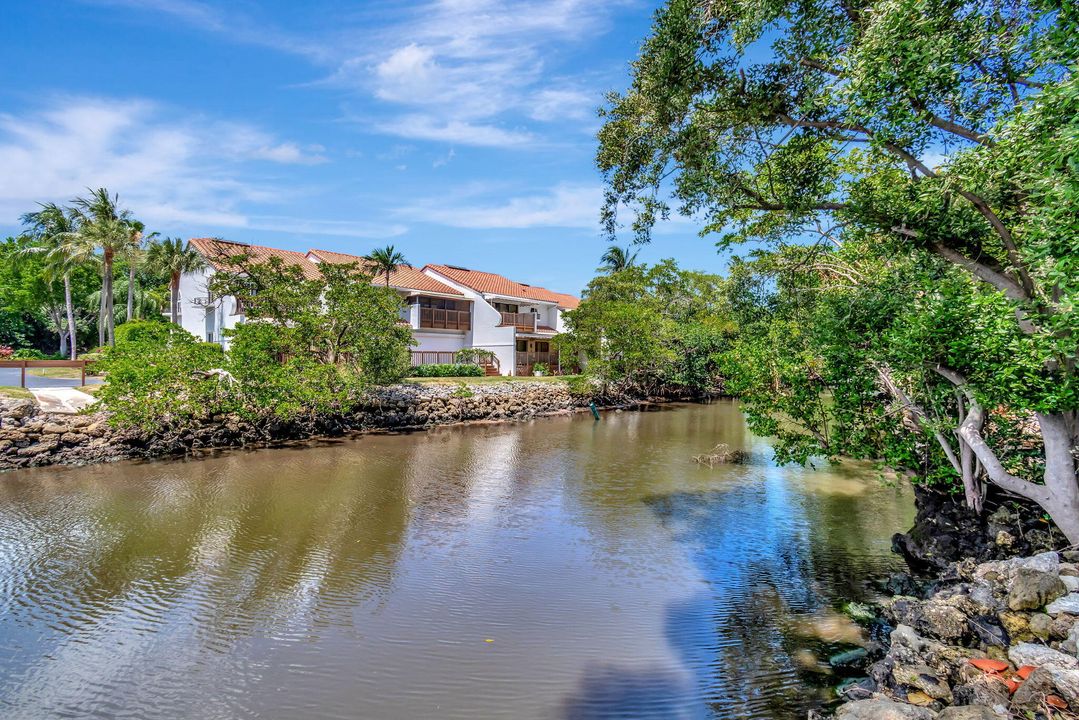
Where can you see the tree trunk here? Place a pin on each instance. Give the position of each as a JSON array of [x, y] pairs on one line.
[[130, 292], [110, 308], [101, 311], [70, 308], [63, 342], [174, 298]]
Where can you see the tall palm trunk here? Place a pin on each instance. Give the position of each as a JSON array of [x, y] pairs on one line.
[[130, 293], [110, 316], [174, 297], [101, 311], [70, 308]]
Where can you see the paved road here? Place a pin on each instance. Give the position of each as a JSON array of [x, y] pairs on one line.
[[9, 377]]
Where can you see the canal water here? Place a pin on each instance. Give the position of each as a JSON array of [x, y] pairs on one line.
[[560, 568]]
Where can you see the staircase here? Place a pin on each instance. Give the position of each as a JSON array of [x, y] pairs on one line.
[[490, 370]]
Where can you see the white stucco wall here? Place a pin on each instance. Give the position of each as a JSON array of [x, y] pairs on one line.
[[438, 342], [485, 332], [201, 320]]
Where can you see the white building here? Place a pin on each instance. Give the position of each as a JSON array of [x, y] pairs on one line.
[[449, 308]]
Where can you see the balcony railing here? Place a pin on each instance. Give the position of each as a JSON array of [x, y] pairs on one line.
[[526, 361], [445, 319], [523, 321]]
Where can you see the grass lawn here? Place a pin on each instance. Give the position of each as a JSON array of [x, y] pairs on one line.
[[68, 373], [16, 393], [486, 380]]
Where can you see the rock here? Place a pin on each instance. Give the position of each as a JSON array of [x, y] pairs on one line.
[[935, 619], [73, 438], [989, 631], [1005, 570], [849, 662], [924, 679], [982, 599], [1067, 604], [1039, 655], [1062, 626], [1031, 694], [1071, 582], [18, 409], [1041, 625], [856, 689], [1032, 589], [38, 448], [882, 710], [1017, 625], [985, 691], [52, 428], [1071, 643], [969, 712]]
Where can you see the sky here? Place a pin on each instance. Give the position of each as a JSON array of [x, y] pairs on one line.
[[460, 131]]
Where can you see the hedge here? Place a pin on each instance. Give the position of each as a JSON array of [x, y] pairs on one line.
[[447, 370]]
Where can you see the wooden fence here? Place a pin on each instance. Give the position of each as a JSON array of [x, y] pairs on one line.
[[23, 364]]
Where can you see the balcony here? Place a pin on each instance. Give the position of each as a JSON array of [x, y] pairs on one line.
[[445, 319], [526, 362], [528, 322]]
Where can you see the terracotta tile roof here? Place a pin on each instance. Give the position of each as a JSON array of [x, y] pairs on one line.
[[216, 250], [404, 277], [494, 284]]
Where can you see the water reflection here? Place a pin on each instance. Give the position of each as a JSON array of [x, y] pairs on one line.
[[555, 569]]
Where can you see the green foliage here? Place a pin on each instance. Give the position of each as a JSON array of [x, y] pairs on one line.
[[157, 376], [138, 330], [474, 356], [541, 368], [447, 370], [649, 328], [31, 354], [462, 391]]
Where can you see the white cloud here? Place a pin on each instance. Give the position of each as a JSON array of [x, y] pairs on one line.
[[197, 174], [423, 127], [552, 104], [565, 205]]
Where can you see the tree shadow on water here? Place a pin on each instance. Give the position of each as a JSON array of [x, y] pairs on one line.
[[612, 692]]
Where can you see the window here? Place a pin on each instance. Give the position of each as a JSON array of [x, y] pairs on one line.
[[543, 347], [442, 303], [522, 346], [505, 307]]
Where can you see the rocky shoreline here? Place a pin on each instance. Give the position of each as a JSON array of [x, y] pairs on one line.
[[32, 438], [999, 639]]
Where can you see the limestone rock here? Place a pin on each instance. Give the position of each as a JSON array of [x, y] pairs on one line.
[[1005, 570], [1067, 604], [1071, 582], [1017, 625], [882, 710], [1032, 589], [52, 428], [969, 712], [985, 691], [1041, 625], [1039, 655], [924, 679]]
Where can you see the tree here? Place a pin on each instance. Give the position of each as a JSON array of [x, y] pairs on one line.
[[170, 257], [385, 260], [649, 329], [788, 121], [616, 258], [53, 228], [133, 255], [104, 227]]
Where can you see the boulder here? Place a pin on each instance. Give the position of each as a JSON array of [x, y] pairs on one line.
[[920, 677], [1067, 604], [1039, 655], [985, 691], [1032, 589], [53, 428], [18, 409], [1004, 570], [1041, 625], [1017, 625], [879, 709], [969, 712], [989, 631], [1071, 582]]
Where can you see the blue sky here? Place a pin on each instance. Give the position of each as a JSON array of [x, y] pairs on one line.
[[461, 131]]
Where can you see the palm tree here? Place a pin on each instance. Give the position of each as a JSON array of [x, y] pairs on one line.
[[54, 227], [170, 257], [617, 259], [385, 260], [103, 226], [133, 254]]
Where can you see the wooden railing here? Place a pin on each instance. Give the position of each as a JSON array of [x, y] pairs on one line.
[[445, 319], [431, 357], [527, 360], [23, 364], [523, 321]]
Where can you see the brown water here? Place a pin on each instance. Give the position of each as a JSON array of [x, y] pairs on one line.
[[559, 568]]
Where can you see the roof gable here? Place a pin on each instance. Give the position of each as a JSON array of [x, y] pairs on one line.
[[216, 251]]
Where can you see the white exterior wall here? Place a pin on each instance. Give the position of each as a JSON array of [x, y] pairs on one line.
[[435, 341], [485, 333], [202, 320]]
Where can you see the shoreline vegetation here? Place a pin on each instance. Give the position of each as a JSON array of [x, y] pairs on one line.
[[32, 438]]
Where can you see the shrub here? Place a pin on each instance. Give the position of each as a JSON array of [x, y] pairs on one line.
[[447, 370], [475, 356], [5, 352], [28, 354], [138, 330]]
